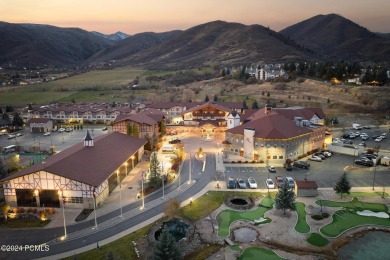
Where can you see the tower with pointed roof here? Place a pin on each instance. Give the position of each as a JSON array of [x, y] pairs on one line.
[[88, 140]]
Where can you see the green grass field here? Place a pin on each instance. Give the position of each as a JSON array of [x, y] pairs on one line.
[[301, 226], [227, 217], [346, 219], [367, 194], [317, 240], [209, 202], [354, 204], [254, 253], [94, 86]]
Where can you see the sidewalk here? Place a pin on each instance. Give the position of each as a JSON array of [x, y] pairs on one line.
[[129, 190]]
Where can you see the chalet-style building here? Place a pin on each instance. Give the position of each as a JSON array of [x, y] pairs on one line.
[[86, 170], [147, 122], [40, 125], [306, 188], [274, 135], [80, 113]]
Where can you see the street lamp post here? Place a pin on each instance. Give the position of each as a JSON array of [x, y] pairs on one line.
[[162, 178], [120, 192], [142, 190], [60, 193], [189, 169], [94, 206]]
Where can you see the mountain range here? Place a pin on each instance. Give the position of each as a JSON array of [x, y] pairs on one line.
[[219, 43]]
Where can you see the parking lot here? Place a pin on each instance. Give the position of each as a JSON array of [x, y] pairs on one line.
[[61, 140], [325, 173]]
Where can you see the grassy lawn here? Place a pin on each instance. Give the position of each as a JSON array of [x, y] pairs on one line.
[[317, 240], [367, 194], [121, 248], [20, 223], [354, 204], [346, 219], [301, 226], [227, 217], [209, 202], [254, 253]]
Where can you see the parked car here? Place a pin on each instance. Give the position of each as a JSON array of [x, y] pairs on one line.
[[364, 162], [175, 140], [369, 155], [252, 183], [231, 183], [320, 155], [327, 154], [300, 164], [69, 129], [271, 169], [46, 134], [378, 139], [362, 144], [315, 158], [279, 181], [11, 136], [366, 127], [61, 130], [241, 183], [19, 134], [104, 128], [270, 184], [290, 182], [288, 167]]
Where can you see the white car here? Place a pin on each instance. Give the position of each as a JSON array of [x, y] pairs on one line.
[[19, 134], [362, 144], [378, 139], [290, 182], [46, 134], [270, 184], [252, 183], [315, 158], [61, 130]]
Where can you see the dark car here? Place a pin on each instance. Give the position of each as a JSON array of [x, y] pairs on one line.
[[279, 181], [363, 162], [288, 167], [369, 156], [231, 183], [300, 164], [104, 128], [323, 157], [175, 141]]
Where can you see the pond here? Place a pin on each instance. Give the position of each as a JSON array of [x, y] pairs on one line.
[[373, 245], [176, 228]]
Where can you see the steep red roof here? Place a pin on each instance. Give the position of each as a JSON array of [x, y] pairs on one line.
[[150, 116], [207, 104], [89, 165], [306, 185], [272, 126]]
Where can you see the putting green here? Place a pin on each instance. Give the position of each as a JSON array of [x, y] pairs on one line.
[[255, 253], [301, 226], [226, 217], [354, 204]]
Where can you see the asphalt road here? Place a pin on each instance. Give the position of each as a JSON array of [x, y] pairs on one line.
[[39, 236]]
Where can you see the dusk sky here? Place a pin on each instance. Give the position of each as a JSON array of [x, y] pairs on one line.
[[164, 15]]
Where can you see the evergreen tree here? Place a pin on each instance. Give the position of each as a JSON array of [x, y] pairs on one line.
[[244, 105], [135, 130], [343, 185], [166, 247], [206, 99], [17, 120], [129, 129], [5, 117], [9, 109], [162, 128], [215, 98], [255, 105], [155, 171], [285, 198]]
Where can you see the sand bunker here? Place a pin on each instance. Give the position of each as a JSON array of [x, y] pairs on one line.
[[370, 213]]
